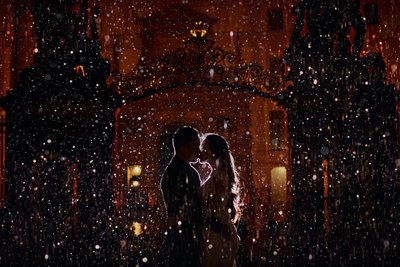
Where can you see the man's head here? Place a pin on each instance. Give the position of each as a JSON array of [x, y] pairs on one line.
[[186, 143]]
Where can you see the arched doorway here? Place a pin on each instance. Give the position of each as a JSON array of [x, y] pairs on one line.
[[216, 94]]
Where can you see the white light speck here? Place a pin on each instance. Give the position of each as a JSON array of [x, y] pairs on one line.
[[211, 72]]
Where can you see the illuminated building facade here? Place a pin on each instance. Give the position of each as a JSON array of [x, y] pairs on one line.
[[216, 67]]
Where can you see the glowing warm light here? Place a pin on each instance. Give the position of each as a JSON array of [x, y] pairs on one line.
[[135, 183], [198, 33], [326, 181], [278, 185], [80, 70], [200, 29], [136, 228], [325, 168], [132, 172]]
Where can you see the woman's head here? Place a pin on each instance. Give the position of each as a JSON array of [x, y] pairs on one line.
[[214, 147]]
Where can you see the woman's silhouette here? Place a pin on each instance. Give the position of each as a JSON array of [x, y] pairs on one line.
[[220, 203]]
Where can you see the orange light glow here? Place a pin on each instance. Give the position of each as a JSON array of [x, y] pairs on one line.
[[136, 228], [200, 29], [80, 70], [135, 183], [326, 181], [132, 172]]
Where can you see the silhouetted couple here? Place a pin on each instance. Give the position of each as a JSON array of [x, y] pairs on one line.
[[201, 217]]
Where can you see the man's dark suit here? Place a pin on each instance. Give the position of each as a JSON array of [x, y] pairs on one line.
[[180, 186]]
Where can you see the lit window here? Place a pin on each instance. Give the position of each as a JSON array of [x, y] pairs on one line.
[[371, 13], [136, 228], [278, 185], [133, 175], [276, 129]]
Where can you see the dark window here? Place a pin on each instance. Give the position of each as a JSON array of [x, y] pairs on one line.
[[276, 128], [275, 19], [371, 14], [276, 66], [276, 70]]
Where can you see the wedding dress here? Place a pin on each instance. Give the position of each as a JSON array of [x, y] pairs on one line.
[[221, 241]]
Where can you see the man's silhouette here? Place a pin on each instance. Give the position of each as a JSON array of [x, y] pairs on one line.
[[180, 187]]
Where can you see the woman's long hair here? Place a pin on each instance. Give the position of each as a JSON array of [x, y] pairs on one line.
[[220, 149]]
